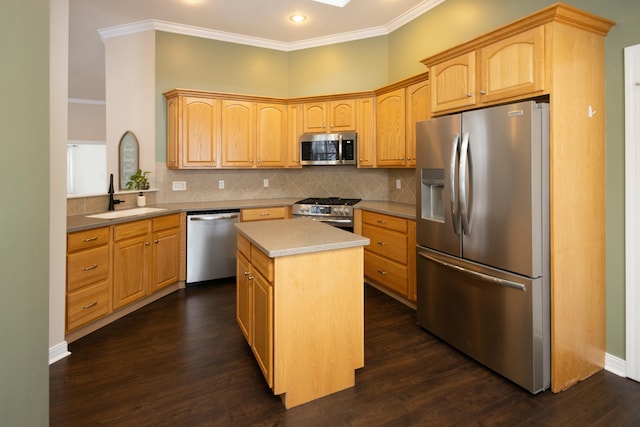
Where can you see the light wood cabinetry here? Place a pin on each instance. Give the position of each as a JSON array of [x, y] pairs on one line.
[[294, 130], [88, 276], [390, 128], [303, 317], [238, 133], [390, 258], [145, 257], [330, 116], [254, 303], [193, 126], [272, 136], [557, 51], [506, 69], [365, 127], [261, 214], [417, 110]]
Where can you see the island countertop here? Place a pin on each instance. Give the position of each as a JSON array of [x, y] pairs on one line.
[[295, 236]]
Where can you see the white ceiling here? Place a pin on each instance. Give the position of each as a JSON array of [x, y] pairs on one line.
[[263, 23]]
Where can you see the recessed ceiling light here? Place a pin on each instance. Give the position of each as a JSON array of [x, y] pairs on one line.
[[339, 3], [298, 18]]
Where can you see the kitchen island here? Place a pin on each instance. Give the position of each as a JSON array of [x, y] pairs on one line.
[[300, 305]]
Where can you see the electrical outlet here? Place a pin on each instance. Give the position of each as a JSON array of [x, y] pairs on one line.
[[179, 185], [265, 182], [221, 184], [398, 184]]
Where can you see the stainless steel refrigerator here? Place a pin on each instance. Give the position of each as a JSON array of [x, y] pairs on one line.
[[483, 237]]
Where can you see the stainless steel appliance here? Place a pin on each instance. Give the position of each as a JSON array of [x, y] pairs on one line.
[[328, 148], [211, 245], [331, 210], [482, 237]]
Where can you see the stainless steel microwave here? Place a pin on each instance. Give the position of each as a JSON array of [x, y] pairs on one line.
[[328, 148]]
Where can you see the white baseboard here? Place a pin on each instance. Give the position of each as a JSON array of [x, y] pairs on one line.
[[58, 352], [615, 365]]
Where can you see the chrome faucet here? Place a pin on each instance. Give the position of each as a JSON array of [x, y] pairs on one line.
[[112, 201]]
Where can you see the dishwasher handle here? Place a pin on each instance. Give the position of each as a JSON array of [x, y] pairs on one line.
[[213, 217]]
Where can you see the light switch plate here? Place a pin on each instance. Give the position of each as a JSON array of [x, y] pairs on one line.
[[265, 182], [398, 184], [221, 184]]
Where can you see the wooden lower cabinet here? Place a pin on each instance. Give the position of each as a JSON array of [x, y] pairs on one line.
[[111, 267], [88, 276], [389, 260], [303, 317], [260, 214]]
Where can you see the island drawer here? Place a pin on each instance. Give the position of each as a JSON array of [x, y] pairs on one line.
[[244, 246], [262, 263]]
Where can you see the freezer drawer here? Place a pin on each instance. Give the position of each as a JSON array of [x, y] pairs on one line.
[[498, 318]]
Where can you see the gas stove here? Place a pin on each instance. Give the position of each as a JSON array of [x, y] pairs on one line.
[[331, 210]]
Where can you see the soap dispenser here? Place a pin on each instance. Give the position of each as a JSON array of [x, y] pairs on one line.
[[141, 200]]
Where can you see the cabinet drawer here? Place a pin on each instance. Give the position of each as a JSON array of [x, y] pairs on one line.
[[390, 244], [385, 221], [258, 214], [164, 222], [386, 272], [130, 229], [244, 246], [87, 304], [262, 263], [87, 239], [86, 267]]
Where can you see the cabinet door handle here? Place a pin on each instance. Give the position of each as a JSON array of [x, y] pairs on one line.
[[250, 277], [469, 95], [483, 92], [91, 267], [381, 271], [84, 307], [90, 239], [382, 243], [147, 243], [246, 273], [156, 241]]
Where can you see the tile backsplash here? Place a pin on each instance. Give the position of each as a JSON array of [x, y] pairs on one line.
[[242, 184]]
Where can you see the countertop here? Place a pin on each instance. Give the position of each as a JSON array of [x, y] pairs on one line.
[[295, 236], [82, 222]]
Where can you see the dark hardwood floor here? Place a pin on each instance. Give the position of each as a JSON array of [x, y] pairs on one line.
[[182, 361]]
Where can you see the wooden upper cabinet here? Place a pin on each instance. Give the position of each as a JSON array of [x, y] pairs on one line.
[[294, 130], [330, 116], [193, 126], [365, 127], [417, 111], [506, 69], [272, 135], [238, 134], [453, 83], [512, 67], [390, 128]]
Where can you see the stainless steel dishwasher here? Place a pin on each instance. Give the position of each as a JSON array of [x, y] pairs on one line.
[[211, 245]]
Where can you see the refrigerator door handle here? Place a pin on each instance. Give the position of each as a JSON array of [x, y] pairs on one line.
[[464, 167], [482, 276], [453, 195]]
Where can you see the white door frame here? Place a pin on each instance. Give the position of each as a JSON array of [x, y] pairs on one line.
[[632, 209]]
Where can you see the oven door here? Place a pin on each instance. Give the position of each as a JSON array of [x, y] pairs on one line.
[[338, 222]]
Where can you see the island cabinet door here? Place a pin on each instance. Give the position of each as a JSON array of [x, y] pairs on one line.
[[263, 326], [244, 298]]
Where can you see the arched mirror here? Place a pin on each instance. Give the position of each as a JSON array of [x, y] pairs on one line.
[[128, 153]]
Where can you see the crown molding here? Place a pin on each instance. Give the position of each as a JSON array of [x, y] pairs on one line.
[[189, 30]]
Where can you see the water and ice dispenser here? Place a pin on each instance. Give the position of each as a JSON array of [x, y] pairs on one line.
[[432, 194]]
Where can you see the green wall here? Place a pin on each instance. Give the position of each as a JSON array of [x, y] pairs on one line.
[[372, 63], [24, 213]]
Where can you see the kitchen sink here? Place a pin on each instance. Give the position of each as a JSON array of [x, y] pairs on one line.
[[125, 213]]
